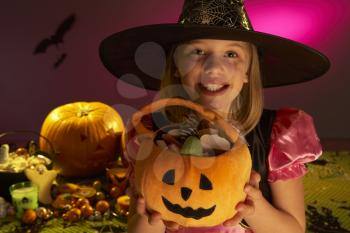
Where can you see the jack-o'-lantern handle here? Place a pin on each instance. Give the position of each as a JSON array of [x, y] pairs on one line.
[[207, 114]]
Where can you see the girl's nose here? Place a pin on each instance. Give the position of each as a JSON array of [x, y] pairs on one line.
[[213, 64]]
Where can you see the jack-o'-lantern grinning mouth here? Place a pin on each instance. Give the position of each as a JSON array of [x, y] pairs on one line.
[[188, 212]]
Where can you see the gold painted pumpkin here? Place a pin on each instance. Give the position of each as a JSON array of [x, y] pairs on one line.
[[188, 189], [85, 135]]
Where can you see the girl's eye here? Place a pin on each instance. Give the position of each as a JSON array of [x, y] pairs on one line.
[[231, 54], [198, 52]]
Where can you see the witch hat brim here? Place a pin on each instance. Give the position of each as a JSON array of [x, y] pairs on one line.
[[282, 61]]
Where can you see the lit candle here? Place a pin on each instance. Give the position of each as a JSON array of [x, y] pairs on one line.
[[24, 196], [4, 153]]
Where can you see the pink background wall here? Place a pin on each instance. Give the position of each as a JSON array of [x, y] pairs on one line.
[[30, 87]]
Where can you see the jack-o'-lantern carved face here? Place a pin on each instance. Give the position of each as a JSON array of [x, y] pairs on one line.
[[188, 211], [188, 189], [86, 135]]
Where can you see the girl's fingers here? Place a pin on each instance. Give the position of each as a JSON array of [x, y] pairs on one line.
[[252, 192], [172, 226], [235, 220], [254, 179], [140, 206], [246, 208], [154, 218]]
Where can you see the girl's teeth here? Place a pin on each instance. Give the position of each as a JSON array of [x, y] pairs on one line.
[[213, 87]]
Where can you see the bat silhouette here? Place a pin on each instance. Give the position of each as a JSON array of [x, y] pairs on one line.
[[56, 38], [59, 60]]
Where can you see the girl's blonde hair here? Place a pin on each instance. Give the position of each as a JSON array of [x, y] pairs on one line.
[[246, 108]]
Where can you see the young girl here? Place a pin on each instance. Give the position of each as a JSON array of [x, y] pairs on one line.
[[217, 60]]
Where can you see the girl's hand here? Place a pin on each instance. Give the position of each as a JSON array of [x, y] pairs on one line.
[[247, 208], [153, 216]]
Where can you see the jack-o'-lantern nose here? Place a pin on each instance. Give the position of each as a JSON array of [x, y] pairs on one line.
[[185, 193]]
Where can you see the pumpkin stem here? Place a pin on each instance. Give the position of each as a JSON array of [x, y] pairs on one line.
[[83, 113]]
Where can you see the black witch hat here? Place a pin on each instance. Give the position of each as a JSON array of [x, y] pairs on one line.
[[283, 61]]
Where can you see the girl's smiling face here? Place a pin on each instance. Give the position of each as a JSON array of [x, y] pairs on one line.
[[213, 71]]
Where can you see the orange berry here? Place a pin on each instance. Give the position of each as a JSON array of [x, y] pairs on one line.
[[102, 206], [81, 202], [29, 216], [97, 185], [100, 196], [86, 211], [74, 215], [21, 151]]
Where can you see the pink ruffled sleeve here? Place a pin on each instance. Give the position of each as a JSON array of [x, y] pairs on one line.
[[294, 142]]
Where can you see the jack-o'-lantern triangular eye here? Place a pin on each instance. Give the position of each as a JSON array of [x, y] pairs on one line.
[[169, 177], [205, 183]]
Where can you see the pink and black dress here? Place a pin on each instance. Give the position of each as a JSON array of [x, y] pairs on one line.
[[281, 144]]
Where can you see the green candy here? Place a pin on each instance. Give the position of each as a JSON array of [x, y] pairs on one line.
[[192, 146]]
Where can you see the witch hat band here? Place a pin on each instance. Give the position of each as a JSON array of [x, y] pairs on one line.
[[282, 61]]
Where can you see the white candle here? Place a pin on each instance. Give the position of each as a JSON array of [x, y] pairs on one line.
[[4, 153]]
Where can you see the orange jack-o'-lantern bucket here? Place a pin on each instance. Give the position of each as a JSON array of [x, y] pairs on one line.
[[189, 189]]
